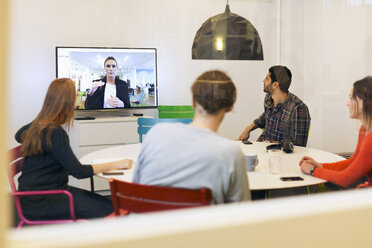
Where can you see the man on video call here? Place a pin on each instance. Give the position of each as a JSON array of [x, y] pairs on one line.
[[109, 92], [286, 117]]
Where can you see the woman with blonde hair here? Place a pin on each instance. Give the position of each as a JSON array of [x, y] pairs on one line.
[[49, 160], [194, 156], [347, 172]]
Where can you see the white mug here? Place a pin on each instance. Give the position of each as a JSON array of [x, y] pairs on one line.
[[251, 161]]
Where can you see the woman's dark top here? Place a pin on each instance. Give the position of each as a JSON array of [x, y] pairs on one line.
[[50, 170]]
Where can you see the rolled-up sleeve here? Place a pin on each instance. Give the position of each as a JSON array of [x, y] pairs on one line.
[[260, 121]]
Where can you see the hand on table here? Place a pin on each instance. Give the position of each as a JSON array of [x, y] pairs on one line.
[[123, 164], [114, 165], [307, 163], [310, 160]]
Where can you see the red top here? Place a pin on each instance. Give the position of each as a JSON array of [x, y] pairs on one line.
[[347, 172]]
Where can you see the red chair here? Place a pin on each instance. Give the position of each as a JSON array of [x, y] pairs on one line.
[[363, 185], [139, 198], [15, 166]]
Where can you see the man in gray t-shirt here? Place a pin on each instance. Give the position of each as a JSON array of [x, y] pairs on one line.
[[193, 156], [184, 156]]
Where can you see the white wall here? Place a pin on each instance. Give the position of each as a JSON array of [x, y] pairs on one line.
[[323, 42], [335, 57], [37, 26], [328, 43]]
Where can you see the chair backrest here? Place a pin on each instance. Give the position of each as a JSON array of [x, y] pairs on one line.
[[15, 161], [139, 198], [145, 124], [176, 111], [15, 165]]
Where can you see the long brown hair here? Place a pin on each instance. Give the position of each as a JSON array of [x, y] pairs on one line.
[[214, 91], [57, 110]]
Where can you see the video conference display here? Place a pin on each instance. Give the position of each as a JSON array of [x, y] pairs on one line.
[[135, 72]]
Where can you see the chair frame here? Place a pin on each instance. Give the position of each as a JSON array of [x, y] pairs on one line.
[[139, 198], [15, 165]]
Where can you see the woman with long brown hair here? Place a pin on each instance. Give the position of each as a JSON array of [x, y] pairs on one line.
[[347, 172], [49, 159]]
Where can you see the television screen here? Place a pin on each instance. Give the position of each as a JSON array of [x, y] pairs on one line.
[[110, 78]]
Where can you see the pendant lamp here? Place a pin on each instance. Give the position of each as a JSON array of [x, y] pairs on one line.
[[227, 36]]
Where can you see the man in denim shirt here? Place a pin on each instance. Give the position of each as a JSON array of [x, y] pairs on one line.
[[285, 117]]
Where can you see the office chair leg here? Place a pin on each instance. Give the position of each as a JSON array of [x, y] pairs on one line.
[[20, 225], [267, 194], [92, 184]]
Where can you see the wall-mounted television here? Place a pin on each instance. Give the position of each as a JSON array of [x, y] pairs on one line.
[[135, 73]]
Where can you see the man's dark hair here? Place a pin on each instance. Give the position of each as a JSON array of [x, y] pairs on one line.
[[281, 74]]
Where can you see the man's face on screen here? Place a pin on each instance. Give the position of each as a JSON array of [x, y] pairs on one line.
[[111, 68]]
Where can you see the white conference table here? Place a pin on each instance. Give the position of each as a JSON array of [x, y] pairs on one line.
[[260, 179]]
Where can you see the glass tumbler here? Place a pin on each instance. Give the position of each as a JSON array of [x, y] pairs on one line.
[[275, 161]]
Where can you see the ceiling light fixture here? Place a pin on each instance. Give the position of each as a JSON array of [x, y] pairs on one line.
[[227, 36]]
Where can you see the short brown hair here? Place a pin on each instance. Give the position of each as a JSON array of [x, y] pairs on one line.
[[281, 74], [214, 91]]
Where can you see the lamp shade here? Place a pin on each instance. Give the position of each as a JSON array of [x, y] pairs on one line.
[[227, 36]]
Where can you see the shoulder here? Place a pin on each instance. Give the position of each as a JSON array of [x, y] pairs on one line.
[[158, 130], [166, 134], [296, 103], [19, 133], [295, 99], [167, 127], [59, 138], [367, 137], [59, 132], [231, 147], [230, 152], [367, 143], [120, 82], [104, 79], [223, 145]]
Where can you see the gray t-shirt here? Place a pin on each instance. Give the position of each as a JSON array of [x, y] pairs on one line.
[[184, 156]]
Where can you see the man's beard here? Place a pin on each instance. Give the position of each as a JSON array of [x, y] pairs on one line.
[[268, 89]]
